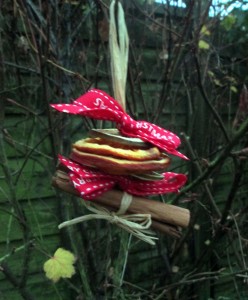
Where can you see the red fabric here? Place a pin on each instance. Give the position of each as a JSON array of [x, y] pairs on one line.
[[97, 104], [91, 183]]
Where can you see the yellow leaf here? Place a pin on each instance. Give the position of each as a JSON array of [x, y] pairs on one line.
[[203, 45], [205, 31], [60, 265]]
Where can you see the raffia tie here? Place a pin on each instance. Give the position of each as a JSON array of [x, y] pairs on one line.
[[136, 224]]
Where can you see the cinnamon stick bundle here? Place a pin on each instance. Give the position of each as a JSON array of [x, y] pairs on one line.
[[165, 217]]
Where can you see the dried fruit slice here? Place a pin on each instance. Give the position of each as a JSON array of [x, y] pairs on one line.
[[114, 135], [153, 176], [105, 147], [117, 166]]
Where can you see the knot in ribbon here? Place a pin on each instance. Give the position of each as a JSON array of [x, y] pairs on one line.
[[136, 224], [91, 183], [99, 105]]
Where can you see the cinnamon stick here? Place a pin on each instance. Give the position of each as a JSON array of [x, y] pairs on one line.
[[63, 183], [161, 212]]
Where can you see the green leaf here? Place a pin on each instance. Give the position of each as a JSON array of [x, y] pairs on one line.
[[203, 45], [228, 22], [211, 74], [207, 242], [217, 82], [233, 89], [60, 265]]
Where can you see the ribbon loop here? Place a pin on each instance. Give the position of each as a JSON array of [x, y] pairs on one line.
[[98, 105]]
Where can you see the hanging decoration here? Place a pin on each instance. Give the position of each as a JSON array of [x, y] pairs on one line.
[[112, 170]]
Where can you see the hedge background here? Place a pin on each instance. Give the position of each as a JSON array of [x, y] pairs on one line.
[[187, 73]]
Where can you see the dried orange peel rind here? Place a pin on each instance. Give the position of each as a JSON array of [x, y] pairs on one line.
[[100, 146]]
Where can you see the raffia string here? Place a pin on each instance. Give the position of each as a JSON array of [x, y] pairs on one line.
[[118, 46], [136, 224], [125, 203]]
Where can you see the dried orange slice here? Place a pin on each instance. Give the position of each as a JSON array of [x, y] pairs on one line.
[[114, 135], [100, 146], [119, 166]]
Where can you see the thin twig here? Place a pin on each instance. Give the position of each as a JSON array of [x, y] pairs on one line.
[[25, 294], [204, 95], [219, 160]]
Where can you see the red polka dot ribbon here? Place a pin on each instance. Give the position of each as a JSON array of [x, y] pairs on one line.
[[97, 104], [91, 183]]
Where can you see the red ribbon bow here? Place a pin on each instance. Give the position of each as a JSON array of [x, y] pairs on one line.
[[97, 104], [91, 183]]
